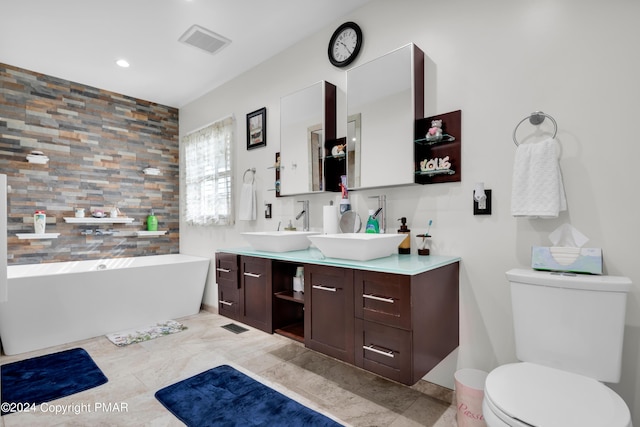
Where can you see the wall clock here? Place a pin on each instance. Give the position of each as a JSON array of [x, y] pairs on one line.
[[345, 44]]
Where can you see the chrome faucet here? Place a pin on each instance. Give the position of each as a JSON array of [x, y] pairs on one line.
[[305, 212], [382, 216]]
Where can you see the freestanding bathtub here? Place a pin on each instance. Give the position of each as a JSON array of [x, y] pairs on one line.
[[58, 303]]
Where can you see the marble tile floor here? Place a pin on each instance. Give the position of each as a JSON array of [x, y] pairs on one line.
[[349, 395]]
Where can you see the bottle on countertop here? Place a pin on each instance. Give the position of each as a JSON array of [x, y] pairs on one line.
[[372, 223], [345, 205], [405, 246], [152, 222]]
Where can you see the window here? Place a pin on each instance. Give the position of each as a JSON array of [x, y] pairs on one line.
[[207, 174]]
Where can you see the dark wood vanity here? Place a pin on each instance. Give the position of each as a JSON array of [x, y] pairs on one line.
[[397, 318]]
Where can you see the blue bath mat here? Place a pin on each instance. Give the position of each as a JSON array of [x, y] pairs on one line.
[[45, 378], [223, 396]]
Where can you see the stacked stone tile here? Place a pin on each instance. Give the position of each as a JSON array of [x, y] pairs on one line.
[[98, 142]]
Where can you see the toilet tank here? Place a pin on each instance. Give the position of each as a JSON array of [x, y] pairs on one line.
[[570, 321]]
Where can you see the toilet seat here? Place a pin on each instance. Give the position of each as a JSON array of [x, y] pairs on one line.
[[529, 394]]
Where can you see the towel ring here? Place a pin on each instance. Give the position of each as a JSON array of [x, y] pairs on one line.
[[253, 175], [536, 118]]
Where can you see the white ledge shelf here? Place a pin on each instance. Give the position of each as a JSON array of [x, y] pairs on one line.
[[23, 236], [91, 220], [144, 233]]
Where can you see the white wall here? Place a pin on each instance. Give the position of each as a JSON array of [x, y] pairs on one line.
[[497, 61]]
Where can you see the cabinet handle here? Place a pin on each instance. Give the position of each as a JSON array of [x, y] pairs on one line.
[[223, 302], [369, 296], [324, 288], [252, 274], [388, 353], [223, 270]]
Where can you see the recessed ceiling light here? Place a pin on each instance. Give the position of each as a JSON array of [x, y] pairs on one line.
[[123, 63]]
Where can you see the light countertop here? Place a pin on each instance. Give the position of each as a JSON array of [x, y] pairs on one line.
[[398, 264]]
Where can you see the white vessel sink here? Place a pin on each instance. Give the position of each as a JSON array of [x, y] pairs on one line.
[[279, 241], [357, 246]]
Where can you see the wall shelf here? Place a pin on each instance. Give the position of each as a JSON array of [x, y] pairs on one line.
[[144, 233], [445, 149], [277, 172], [436, 172], [91, 220], [443, 139], [23, 236], [290, 296], [334, 165]]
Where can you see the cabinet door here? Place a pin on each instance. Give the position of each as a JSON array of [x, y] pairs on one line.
[[256, 296], [328, 323], [228, 285]]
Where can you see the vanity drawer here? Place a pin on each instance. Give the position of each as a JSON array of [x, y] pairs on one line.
[[229, 301], [384, 298], [227, 270], [383, 350]]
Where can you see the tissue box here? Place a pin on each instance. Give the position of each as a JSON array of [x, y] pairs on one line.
[[574, 260]]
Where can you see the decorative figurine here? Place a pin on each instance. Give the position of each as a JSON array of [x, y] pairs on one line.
[[435, 164], [435, 131], [338, 150]]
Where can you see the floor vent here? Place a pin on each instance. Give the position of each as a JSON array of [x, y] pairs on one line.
[[204, 39], [235, 328]]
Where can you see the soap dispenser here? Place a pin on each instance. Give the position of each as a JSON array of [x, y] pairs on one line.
[[405, 246], [372, 223], [152, 222]]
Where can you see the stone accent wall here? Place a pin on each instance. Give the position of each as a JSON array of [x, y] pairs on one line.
[[98, 143]]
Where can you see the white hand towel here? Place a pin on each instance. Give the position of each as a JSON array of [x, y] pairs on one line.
[[248, 206], [537, 191]]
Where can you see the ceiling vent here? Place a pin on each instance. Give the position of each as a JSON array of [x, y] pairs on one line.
[[204, 39]]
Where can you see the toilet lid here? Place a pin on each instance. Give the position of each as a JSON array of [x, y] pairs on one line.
[[543, 396]]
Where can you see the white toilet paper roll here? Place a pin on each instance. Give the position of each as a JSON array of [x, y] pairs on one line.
[[329, 219]]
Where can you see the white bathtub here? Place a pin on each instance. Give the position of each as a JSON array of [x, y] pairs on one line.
[[58, 303]]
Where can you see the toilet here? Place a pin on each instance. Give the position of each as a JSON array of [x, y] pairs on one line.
[[569, 331]]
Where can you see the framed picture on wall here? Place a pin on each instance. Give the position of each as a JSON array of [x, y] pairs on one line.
[[257, 129]]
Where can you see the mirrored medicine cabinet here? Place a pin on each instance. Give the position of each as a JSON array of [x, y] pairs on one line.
[[307, 121], [384, 98]]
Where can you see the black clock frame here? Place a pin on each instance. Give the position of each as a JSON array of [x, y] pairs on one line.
[[356, 51]]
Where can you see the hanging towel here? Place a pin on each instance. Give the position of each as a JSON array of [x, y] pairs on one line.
[[248, 208], [537, 190]]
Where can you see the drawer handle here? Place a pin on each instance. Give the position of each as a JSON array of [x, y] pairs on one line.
[[252, 275], [223, 302], [388, 353], [324, 288], [369, 296], [223, 270]]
